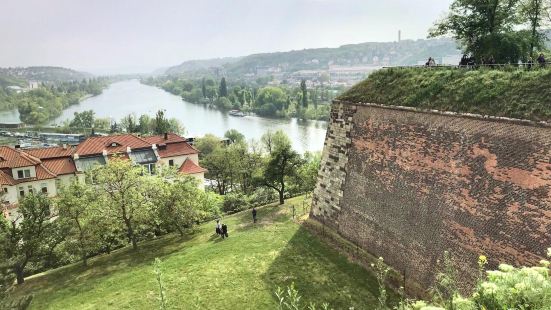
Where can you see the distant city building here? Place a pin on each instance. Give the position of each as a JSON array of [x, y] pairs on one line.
[[34, 85]]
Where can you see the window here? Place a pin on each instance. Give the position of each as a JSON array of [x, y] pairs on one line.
[[30, 188], [5, 190], [44, 188], [23, 174], [21, 192], [171, 162]]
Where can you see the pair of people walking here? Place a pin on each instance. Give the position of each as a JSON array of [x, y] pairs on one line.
[[221, 229]]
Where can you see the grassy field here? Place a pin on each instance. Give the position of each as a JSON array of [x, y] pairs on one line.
[[505, 92], [206, 272]]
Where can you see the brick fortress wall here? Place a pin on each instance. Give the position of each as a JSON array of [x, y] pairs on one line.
[[408, 185]]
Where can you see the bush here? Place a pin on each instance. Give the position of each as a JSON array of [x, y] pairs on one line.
[[262, 196], [235, 202]]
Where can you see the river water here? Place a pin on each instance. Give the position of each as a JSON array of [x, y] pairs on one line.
[[123, 98]]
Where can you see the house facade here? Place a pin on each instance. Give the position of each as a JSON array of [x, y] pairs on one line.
[[46, 170]]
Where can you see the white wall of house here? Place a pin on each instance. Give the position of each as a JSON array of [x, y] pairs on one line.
[[179, 160], [200, 180]]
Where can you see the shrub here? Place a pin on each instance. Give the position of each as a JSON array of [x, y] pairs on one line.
[[235, 202]]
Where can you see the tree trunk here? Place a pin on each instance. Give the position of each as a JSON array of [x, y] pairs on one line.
[[134, 242], [281, 199], [130, 233]]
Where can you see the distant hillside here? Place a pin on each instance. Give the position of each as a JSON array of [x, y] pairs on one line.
[[512, 93], [407, 52], [199, 65], [44, 74]]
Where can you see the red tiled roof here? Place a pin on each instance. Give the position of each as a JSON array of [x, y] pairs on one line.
[[42, 173], [96, 145], [60, 166], [11, 158], [189, 167], [160, 139], [176, 149], [51, 152], [6, 179]]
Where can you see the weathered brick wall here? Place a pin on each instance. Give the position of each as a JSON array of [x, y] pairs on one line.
[[419, 183]]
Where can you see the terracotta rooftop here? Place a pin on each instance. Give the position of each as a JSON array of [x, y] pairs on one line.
[[60, 166], [12, 158], [6, 179], [189, 167], [175, 149], [51, 152], [160, 139], [112, 144]]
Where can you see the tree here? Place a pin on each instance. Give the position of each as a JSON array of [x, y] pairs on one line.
[[120, 185], [534, 13], [25, 237], [282, 165], [234, 136], [273, 140], [77, 207], [144, 124], [207, 144], [203, 88], [304, 91], [129, 123], [223, 91], [484, 28], [178, 202], [162, 125], [83, 119]]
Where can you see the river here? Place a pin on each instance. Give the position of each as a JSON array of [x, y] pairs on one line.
[[123, 98]]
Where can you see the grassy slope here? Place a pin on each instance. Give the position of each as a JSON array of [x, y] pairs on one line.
[[205, 272], [513, 93]]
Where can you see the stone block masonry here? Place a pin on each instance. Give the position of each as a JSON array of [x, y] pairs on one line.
[[408, 185]]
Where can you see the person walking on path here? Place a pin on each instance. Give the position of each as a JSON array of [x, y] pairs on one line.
[[254, 215], [224, 231], [218, 227]]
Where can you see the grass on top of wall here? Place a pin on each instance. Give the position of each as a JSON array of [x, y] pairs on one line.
[[513, 92]]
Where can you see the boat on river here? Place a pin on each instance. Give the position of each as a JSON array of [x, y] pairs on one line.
[[236, 113]]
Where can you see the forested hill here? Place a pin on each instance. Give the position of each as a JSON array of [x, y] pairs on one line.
[[406, 52], [43, 74]]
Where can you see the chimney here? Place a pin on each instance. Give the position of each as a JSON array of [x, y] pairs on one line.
[[166, 135], [64, 146], [17, 146]]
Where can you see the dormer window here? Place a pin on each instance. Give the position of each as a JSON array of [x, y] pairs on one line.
[[23, 174], [114, 144]]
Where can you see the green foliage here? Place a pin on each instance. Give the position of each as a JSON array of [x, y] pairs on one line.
[[489, 28], [234, 136], [84, 119], [235, 202], [162, 124], [27, 237], [282, 165], [507, 93]]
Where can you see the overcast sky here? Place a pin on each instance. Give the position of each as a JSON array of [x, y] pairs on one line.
[[109, 36]]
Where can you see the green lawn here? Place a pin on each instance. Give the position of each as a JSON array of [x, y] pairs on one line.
[[205, 272]]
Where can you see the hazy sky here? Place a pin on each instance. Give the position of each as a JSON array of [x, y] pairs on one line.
[[107, 36]]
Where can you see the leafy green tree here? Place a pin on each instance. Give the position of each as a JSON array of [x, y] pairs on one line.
[[273, 140], [121, 186], [234, 136], [162, 124], [77, 206], [484, 28], [203, 88], [144, 124], [207, 144], [25, 237], [178, 202], [281, 166], [129, 123], [83, 119], [304, 91], [223, 91], [534, 13], [307, 174]]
